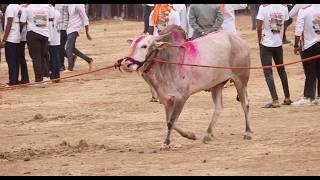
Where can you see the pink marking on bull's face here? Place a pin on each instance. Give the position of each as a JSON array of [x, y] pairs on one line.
[[139, 50], [135, 44]]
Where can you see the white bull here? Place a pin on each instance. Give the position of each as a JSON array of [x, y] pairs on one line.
[[174, 84]]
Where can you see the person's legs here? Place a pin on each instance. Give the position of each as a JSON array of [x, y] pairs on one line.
[[45, 56], [79, 53], [34, 46], [278, 59], [11, 55], [147, 12], [54, 62], [266, 60], [23, 63], [63, 41], [71, 43], [310, 73]]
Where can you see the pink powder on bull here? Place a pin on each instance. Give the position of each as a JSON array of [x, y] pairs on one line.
[[191, 57], [135, 44]]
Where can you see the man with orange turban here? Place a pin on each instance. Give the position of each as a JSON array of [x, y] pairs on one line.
[[162, 16]]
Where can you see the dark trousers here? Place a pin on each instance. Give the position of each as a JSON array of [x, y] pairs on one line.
[[147, 12], [38, 50], [54, 62], [62, 51], [71, 50], [23, 63], [12, 57], [266, 55], [311, 71]]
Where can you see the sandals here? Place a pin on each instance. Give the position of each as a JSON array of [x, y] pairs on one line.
[[271, 105], [287, 102], [153, 99]]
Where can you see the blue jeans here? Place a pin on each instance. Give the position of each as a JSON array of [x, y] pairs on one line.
[[54, 61], [11, 53], [72, 51], [266, 55]]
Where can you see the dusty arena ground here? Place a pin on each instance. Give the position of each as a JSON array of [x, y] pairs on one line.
[[104, 124]]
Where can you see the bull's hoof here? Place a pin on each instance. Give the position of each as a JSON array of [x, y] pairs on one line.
[[165, 147], [247, 136], [191, 136], [207, 138]]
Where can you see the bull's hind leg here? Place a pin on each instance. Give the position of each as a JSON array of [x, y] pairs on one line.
[[216, 93], [244, 99]]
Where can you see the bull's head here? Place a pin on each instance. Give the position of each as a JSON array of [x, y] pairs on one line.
[[142, 50]]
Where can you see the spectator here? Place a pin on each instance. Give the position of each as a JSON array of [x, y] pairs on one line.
[[182, 11], [308, 24], [54, 47], [147, 11], [285, 40], [273, 17], [77, 19], [22, 60], [205, 18], [11, 42], [228, 11], [162, 16], [254, 8], [190, 30], [62, 27], [37, 17]]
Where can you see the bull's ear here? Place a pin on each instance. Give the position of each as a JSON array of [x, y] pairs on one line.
[[129, 41], [161, 45]]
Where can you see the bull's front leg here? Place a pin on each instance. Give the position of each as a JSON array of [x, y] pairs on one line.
[[173, 106]]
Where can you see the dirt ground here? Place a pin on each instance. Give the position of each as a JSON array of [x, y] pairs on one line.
[[104, 124]]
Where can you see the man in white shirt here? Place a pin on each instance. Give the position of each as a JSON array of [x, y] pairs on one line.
[[273, 17], [21, 54], [11, 42], [165, 19], [308, 24], [77, 19], [37, 17], [229, 20], [182, 11], [62, 27], [54, 47]]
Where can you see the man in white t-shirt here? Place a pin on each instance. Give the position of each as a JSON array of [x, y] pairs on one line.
[[21, 54], [171, 17], [54, 47], [77, 19], [308, 24], [11, 42], [273, 18], [229, 20], [37, 17], [182, 11]]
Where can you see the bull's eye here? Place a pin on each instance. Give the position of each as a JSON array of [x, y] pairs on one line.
[[144, 46]]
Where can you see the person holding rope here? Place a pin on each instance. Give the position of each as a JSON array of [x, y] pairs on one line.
[[273, 17], [308, 24]]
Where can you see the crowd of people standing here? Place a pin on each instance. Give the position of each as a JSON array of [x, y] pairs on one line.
[[50, 32]]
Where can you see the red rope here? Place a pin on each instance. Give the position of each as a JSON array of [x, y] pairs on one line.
[[53, 80], [159, 60]]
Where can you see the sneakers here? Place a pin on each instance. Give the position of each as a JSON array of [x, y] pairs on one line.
[[316, 101], [302, 101]]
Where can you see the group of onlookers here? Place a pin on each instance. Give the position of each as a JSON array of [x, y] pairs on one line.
[[50, 32]]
